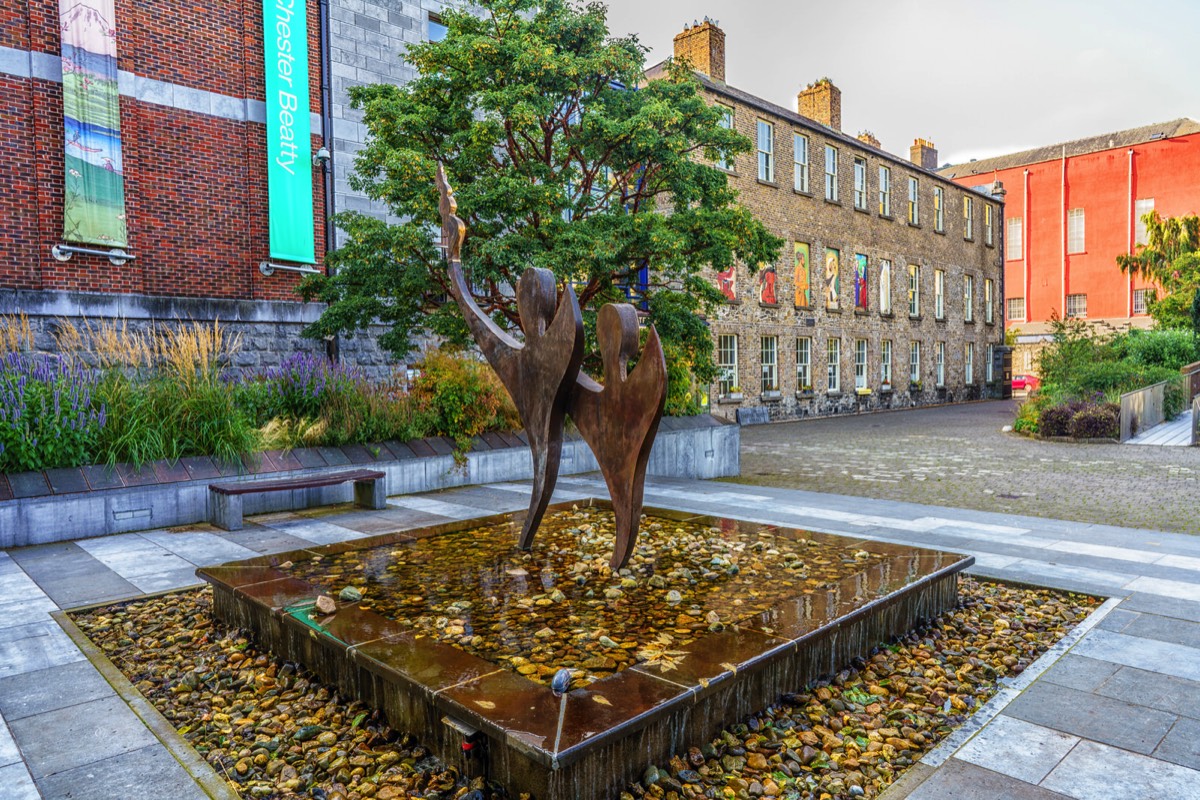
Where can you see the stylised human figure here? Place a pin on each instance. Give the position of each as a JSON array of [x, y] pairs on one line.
[[539, 374], [727, 283], [766, 284], [620, 419]]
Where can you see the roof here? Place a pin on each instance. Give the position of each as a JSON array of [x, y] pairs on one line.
[[1093, 144], [740, 96]]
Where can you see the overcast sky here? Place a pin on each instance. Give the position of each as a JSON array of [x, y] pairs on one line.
[[978, 78]]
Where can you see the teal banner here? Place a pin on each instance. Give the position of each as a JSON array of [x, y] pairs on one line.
[[289, 163]]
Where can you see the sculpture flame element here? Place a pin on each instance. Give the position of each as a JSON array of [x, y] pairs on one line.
[[618, 420]]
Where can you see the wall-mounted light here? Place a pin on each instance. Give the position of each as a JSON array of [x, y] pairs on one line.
[[322, 157]]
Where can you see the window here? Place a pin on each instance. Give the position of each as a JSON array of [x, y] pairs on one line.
[[1140, 209], [989, 315], [1016, 309], [1015, 244], [914, 290], [885, 363], [831, 184], [987, 225], [914, 208], [969, 363], [939, 209], [1027, 360], [437, 29], [833, 364], [726, 121], [1077, 306], [766, 151], [968, 218], [860, 183], [939, 294], [1140, 296], [804, 364], [1075, 230], [885, 287], [940, 358], [968, 298], [885, 191], [914, 362], [770, 364], [988, 369], [727, 363], [800, 157], [860, 363]]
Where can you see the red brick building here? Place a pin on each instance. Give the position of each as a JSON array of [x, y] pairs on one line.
[[190, 78], [1072, 208]]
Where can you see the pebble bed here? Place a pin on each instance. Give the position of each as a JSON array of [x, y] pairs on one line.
[[561, 606], [273, 731]]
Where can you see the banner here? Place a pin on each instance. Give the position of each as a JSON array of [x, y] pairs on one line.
[[94, 186], [289, 162]]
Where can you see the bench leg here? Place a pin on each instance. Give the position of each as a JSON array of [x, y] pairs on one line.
[[371, 494], [226, 511]]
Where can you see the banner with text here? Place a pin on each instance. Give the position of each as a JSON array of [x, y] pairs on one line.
[[94, 186], [289, 165]]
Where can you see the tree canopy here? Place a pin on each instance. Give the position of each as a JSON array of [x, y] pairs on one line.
[[1171, 259], [562, 156]]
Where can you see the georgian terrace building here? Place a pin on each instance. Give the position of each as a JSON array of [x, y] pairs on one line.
[[889, 290]]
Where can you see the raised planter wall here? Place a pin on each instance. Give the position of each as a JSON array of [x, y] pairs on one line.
[[60, 505]]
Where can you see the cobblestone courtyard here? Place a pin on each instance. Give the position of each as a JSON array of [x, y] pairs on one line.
[[958, 456]]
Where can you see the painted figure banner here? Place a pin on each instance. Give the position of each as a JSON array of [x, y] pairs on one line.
[[860, 282], [727, 283], [803, 277], [833, 279], [766, 286], [94, 190]]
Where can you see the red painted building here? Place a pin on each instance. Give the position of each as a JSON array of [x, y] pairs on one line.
[[1072, 208]]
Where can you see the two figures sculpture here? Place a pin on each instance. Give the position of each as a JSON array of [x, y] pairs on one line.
[[618, 419]]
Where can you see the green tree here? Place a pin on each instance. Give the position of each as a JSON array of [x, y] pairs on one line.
[[562, 156], [1171, 259]]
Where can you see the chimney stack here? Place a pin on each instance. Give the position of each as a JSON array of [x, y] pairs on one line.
[[866, 137], [702, 46], [923, 154], [822, 102]]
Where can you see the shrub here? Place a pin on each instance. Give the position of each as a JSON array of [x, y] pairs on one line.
[[1170, 348], [460, 397], [48, 417], [1030, 412], [1096, 422], [1056, 420], [1115, 376]]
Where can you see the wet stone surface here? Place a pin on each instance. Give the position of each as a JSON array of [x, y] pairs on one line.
[[561, 607], [273, 731]]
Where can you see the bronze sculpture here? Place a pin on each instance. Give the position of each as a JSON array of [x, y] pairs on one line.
[[618, 419], [538, 374]]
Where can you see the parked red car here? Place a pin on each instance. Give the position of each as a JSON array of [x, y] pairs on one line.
[[1027, 382]]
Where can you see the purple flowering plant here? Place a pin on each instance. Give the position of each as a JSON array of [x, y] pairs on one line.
[[49, 415], [305, 384]]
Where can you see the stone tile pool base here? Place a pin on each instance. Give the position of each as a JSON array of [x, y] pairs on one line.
[[593, 741]]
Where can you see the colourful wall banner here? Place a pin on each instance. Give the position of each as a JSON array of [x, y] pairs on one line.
[[861, 301], [833, 279], [94, 186], [289, 163], [803, 277]]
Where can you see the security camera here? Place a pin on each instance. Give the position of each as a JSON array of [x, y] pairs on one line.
[[322, 157]]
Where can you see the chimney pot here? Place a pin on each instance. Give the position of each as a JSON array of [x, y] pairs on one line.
[[924, 154], [822, 102], [702, 46]]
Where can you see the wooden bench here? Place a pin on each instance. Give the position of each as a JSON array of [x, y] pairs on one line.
[[370, 491]]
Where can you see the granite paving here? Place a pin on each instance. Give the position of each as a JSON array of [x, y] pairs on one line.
[[1116, 713]]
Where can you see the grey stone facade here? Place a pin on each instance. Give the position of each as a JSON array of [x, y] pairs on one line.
[[367, 42]]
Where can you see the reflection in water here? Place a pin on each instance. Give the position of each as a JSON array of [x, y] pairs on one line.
[[561, 606]]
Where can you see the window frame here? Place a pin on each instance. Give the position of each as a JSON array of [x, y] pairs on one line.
[[800, 176], [1144, 296], [831, 174], [1014, 244], [914, 291], [968, 298], [939, 209], [939, 360], [833, 365], [860, 364], [771, 364], [989, 368], [1009, 315], [969, 363], [939, 294], [988, 224], [968, 217], [1141, 235], [885, 363], [766, 158], [728, 122], [885, 191], [1079, 300], [860, 184], [989, 301], [914, 201], [1076, 231], [914, 361], [804, 363], [727, 373]]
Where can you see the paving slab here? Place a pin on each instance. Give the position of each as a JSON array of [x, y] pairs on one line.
[[70, 575], [9, 754], [1154, 690], [960, 780], [1162, 606], [1090, 716], [1080, 672], [50, 689], [37, 652], [149, 773], [200, 548], [261, 539], [1182, 745], [1017, 748], [1164, 629], [1093, 771], [1117, 620], [18, 784], [96, 730], [1151, 655]]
